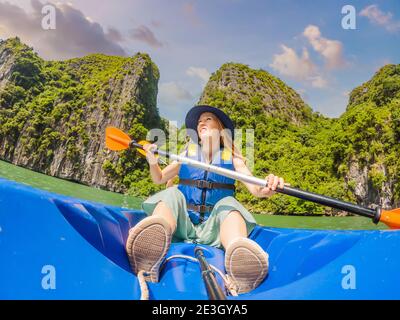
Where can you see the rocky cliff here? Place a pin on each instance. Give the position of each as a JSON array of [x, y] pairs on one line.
[[354, 157], [249, 94], [53, 114], [369, 132], [290, 139]]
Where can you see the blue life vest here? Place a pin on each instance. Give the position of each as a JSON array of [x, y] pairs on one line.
[[201, 192]]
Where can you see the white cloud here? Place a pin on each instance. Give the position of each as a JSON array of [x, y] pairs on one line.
[[75, 34], [201, 73], [318, 81], [288, 63], [114, 35], [144, 34], [331, 50], [301, 68], [172, 93], [376, 16]]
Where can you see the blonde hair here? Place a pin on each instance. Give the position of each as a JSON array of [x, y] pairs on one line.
[[227, 142]]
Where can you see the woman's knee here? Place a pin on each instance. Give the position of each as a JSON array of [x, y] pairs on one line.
[[236, 214], [162, 207], [163, 210], [232, 227], [233, 221]]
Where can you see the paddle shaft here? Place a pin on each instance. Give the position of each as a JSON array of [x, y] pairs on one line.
[[295, 192], [214, 291]]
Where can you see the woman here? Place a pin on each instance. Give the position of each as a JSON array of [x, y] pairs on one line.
[[202, 209]]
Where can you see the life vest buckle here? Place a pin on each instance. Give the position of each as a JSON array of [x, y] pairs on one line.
[[204, 184], [201, 208]]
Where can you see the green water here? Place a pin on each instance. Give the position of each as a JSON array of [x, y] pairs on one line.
[[65, 187], [68, 188], [338, 223]]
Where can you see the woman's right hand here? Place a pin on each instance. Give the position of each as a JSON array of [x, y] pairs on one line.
[[150, 156]]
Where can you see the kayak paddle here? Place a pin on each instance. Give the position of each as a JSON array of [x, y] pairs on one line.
[[117, 140]]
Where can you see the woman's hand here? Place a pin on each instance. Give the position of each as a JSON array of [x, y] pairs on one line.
[[150, 149], [273, 183], [257, 191]]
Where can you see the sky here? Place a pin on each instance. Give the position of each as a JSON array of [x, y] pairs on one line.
[[303, 42]]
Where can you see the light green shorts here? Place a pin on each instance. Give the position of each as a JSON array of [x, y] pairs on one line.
[[204, 233]]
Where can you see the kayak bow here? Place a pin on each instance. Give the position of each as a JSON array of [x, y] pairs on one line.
[[59, 247]]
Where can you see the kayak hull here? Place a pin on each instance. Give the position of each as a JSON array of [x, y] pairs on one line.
[[58, 247]]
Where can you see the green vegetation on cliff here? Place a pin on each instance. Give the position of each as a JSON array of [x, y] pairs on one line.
[[311, 151], [53, 115], [369, 135], [290, 140]]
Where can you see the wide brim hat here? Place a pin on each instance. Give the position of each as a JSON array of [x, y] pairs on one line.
[[192, 118]]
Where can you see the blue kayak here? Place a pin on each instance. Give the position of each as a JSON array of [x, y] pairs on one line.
[[58, 247]]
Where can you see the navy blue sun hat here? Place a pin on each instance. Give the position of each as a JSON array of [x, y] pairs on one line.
[[192, 118]]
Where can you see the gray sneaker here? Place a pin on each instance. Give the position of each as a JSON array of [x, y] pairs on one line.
[[147, 245], [246, 264]]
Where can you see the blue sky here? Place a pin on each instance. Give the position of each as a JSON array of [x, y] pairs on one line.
[[301, 42]]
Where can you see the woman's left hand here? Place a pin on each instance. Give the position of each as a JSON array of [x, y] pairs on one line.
[[273, 183]]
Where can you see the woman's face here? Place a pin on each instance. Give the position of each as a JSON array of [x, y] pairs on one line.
[[208, 127]]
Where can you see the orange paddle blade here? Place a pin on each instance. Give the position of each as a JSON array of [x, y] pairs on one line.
[[116, 139], [391, 218]]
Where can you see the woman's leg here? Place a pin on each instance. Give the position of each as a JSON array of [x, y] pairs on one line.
[[232, 227], [147, 244], [149, 240], [245, 261], [163, 211]]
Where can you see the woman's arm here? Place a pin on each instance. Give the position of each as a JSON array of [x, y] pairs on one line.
[[157, 175], [258, 191]]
